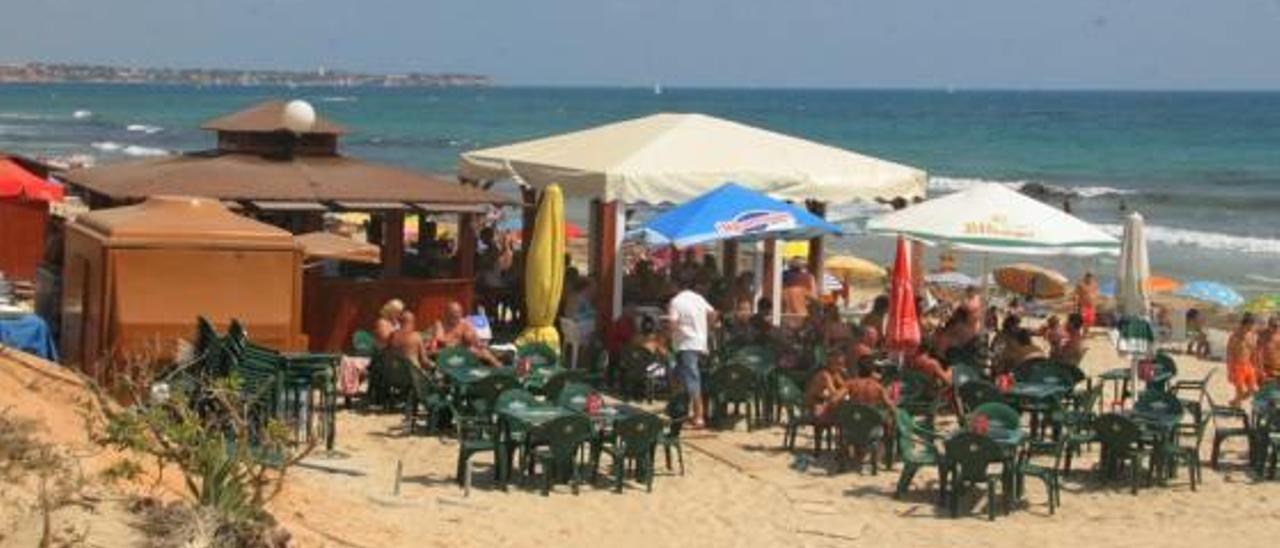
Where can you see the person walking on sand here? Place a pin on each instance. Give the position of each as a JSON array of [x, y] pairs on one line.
[[1242, 349], [1086, 297], [690, 317]]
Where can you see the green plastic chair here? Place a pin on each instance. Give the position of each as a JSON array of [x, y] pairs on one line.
[[677, 413], [969, 457], [733, 385], [860, 427], [975, 393], [1188, 454], [789, 397], [1121, 440], [1000, 413], [363, 343], [554, 385], [556, 447], [430, 396], [1049, 474], [964, 374], [917, 448], [635, 439]]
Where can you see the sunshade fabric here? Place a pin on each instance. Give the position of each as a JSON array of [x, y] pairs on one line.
[[672, 158], [544, 271], [1031, 280], [732, 212], [903, 324], [16, 181], [855, 268], [327, 245], [994, 218], [1132, 291], [1211, 292]]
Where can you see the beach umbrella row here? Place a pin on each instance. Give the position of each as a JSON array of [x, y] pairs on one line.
[[1266, 304], [1214, 293]]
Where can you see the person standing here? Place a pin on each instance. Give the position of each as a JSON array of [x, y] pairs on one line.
[[1269, 348], [1086, 296], [1242, 350], [690, 317]]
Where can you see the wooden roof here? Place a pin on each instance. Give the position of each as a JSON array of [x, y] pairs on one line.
[[266, 117]]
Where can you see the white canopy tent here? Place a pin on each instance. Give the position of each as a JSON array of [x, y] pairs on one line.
[[672, 158], [997, 219]]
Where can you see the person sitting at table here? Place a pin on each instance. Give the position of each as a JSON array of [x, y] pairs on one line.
[[1071, 350], [1197, 335], [453, 331], [826, 389], [1242, 368], [1054, 334], [875, 318], [1008, 330], [388, 322], [407, 342], [929, 364], [865, 347], [958, 333], [865, 389], [1017, 350]]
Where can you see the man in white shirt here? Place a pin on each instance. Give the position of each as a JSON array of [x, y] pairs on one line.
[[690, 317]]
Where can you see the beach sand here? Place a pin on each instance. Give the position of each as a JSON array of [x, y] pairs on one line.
[[740, 490]]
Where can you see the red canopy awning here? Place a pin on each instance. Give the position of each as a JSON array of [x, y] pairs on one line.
[[16, 181]]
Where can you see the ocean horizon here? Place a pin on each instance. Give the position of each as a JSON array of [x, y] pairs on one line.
[[1202, 166]]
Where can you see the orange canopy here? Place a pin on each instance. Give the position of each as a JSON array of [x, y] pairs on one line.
[[16, 181]]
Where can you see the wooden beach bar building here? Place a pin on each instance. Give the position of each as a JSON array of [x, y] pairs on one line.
[[277, 166]]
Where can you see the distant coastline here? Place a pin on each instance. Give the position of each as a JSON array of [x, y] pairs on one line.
[[74, 73]]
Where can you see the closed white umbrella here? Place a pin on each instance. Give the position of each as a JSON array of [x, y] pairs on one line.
[[1132, 293], [1133, 335]]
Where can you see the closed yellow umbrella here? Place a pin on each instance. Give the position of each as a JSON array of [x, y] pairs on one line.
[[544, 271], [855, 268]]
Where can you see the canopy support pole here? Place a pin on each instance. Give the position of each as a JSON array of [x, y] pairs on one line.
[[466, 245], [730, 267], [817, 251], [529, 215], [392, 243], [610, 220], [772, 279]]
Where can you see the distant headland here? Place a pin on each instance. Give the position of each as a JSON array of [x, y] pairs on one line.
[[55, 73]]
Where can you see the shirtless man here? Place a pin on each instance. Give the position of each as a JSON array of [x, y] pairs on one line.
[[388, 322], [826, 389], [1269, 348], [407, 343], [1086, 297], [931, 366], [1242, 349], [1071, 350], [865, 346], [453, 330]]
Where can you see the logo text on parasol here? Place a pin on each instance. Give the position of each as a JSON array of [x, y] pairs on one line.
[[997, 225], [748, 222]]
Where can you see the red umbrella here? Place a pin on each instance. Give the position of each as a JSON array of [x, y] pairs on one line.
[[902, 330], [16, 181]]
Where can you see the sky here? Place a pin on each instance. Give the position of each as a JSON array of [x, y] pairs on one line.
[[1008, 44]]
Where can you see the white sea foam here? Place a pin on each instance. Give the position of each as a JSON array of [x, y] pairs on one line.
[[82, 114], [1205, 240], [135, 150], [25, 116], [107, 146], [956, 184], [143, 128], [339, 99]]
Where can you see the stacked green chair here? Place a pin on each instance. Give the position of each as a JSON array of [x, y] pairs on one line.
[[556, 446], [484, 437], [969, 458], [1187, 452], [635, 440], [860, 427], [917, 448]]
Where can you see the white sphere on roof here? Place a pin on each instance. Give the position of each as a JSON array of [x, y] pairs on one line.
[[299, 116]]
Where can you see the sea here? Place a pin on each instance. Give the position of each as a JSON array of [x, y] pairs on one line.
[[1203, 168]]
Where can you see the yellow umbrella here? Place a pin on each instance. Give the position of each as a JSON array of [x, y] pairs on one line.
[[1033, 280], [544, 271], [855, 268]]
